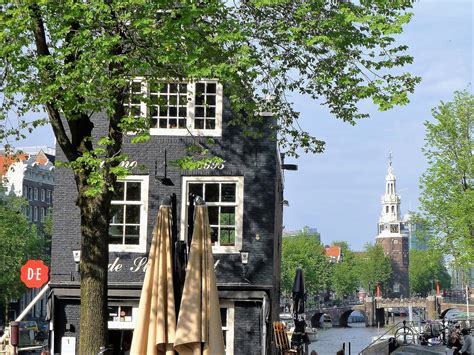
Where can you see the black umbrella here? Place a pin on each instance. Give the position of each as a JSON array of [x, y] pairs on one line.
[[299, 336]]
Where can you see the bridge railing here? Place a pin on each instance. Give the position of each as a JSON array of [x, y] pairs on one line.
[[457, 300]]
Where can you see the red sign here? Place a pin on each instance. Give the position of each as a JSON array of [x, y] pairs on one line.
[[34, 273]]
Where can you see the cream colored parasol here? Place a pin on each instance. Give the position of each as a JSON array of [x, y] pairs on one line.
[[199, 328], [156, 322]]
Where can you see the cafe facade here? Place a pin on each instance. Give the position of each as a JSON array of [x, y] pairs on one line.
[[244, 195]]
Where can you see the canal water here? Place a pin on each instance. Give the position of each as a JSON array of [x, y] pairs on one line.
[[330, 340]]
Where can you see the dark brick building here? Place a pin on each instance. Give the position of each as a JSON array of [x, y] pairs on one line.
[[244, 198]]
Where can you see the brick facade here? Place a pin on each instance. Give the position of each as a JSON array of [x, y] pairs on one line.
[[254, 159]]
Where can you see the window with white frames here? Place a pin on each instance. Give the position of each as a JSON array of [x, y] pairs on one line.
[[35, 193], [48, 196], [35, 213], [128, 225], [227, 318], [122, 316], [43, 214], [178, 108], [43, 193], [396, 287], [30, 193], [224, 200]]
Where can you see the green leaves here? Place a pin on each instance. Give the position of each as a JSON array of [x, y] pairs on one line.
[[18, 242], [447, 198], [373, 266], [307, 252], [427, 267], [339, 53]]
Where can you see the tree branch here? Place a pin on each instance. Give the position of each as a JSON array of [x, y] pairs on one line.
[[53, 113]]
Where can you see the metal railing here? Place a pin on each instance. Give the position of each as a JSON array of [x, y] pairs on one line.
[[3, 339], [393, 330]]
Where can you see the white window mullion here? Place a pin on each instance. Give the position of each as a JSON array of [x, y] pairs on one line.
[[219, 108], [191, 100], [146, 94]]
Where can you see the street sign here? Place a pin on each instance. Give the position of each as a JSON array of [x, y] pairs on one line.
[[34, 273]]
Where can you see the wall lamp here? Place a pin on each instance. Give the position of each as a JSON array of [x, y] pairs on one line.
[[244, 259], [77, 258], [164, 179]]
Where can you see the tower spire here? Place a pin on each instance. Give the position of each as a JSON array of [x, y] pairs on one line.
[[390, 169], [390, 199]]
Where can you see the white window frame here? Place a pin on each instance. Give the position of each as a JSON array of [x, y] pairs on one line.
[[141, 246], [43, 213], [396, 287], [35, 213], [35, 194], [239, 211], [229, 328], [124, 324], [42, 195], [189, 130]]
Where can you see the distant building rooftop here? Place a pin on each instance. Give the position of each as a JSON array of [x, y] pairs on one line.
[[29, 155], [303, 231], [334, 253], [33, 150]]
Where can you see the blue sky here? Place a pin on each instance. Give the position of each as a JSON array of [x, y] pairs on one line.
[[338, 192]]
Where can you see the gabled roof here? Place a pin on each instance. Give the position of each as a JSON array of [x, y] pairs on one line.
[[41, 158], [333, 251]]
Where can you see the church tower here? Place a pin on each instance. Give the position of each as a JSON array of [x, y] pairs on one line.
[[390, 236]]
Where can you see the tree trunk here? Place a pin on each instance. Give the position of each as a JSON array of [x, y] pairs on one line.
[[93, 271]]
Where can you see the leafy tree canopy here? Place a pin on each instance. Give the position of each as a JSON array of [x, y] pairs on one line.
[[373, 266], [447, 198], [307, 253], [345, 274], [425, 269], [78, 57], [19, 242]]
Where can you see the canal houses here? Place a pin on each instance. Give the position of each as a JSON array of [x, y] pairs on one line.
[[244, 195]]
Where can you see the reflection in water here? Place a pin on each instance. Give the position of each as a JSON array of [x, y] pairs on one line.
[[330, 340]]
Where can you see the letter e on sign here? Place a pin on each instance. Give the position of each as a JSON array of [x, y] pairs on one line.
[[34, 273]]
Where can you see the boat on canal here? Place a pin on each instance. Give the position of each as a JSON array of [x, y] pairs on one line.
[[287, 319]]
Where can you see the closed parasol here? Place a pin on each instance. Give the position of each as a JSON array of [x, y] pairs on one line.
[[156, 322], [199, 328]]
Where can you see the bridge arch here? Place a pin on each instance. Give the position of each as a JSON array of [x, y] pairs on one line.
[[344, 317], [316, 319]]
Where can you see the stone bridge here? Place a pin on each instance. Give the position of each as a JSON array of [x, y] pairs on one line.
[[338, 315], [374, 309]]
